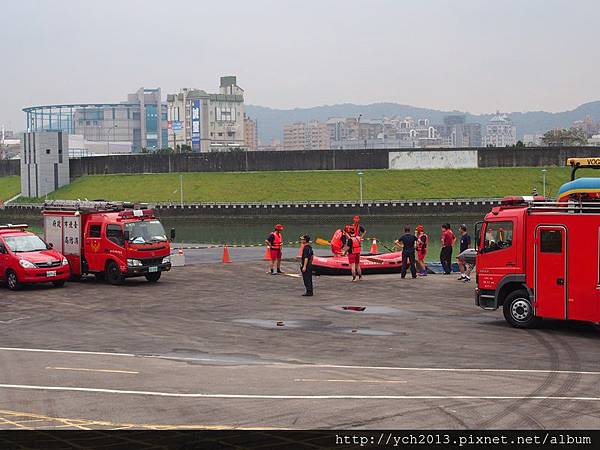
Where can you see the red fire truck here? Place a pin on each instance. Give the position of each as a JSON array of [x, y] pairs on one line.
[[112, 240], [541, 259]]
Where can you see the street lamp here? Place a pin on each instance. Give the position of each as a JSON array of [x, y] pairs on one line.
[[360, 175], [544, 181], [108, 138]]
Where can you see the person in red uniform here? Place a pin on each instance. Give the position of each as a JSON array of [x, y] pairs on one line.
[[353, 249], [359, 230], [336, 242], [422, 241], [448, 239], [274, 243]]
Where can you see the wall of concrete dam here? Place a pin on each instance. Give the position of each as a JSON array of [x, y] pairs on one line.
[[376, 208], [10, 167], [329, 160], [320, 160]]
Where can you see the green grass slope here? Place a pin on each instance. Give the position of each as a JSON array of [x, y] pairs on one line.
[[315, 185]]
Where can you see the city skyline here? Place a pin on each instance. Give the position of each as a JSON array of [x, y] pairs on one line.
[[475, 56]]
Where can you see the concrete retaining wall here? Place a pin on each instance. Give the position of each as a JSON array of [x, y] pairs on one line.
[[373, 208], [10, 167], [329, 159]]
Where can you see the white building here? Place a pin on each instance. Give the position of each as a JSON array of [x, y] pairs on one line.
[[500, 132], [44, 162], [207, 122]]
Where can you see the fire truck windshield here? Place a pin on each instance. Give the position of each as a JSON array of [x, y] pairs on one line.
[[143, 232], [26, 243]]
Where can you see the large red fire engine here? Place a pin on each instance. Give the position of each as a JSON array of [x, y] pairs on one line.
[[541, 259], [112, 240]]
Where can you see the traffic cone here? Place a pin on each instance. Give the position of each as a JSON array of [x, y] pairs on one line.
[[226, 258], [301, 249], [180, 251], [374, 247], [267, 255]]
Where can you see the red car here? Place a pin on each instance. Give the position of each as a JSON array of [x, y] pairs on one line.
[[25, 258]]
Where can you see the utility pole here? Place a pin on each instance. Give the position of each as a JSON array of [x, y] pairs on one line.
[[181, 188]]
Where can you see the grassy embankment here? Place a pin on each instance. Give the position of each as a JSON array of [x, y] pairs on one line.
[[315, 185], [9, 187]]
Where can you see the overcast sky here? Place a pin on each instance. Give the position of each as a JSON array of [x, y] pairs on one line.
[[471, 55]]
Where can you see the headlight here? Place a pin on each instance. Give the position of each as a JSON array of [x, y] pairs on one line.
[[134, 262], [26, 264], [65, 262], [166, 260]]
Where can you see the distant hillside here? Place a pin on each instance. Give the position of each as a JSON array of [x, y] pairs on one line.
[[271, 121]]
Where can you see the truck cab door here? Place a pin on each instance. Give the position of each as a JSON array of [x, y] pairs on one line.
[[497, 254], [551, 271], [94, 253]]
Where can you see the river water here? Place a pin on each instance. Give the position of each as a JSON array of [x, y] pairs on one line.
[[253, 231]]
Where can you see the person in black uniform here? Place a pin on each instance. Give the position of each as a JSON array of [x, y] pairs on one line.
[[407, 243], [306, 265]]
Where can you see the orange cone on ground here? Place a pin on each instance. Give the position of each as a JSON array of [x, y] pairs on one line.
[[267, 256], [301, 248], [374, 246], [226, 258], [180, 251]]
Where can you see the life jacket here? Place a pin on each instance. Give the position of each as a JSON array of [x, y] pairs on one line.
[[356, 248], [277, 241], [336, 239], [421, 246]]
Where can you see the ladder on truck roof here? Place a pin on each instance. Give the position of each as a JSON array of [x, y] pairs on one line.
[[564, 207], [89, 206]]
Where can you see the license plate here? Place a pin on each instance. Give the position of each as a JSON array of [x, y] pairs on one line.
[[51, 273], [153, 269]]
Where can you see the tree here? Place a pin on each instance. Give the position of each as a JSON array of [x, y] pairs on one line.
[[564, 137], [520, 144]]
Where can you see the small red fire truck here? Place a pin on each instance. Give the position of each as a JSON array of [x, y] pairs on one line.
[[112, 240], [541, 259]]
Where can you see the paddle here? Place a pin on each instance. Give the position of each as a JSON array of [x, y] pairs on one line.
[[322, 241]]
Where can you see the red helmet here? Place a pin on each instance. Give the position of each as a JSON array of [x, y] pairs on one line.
[[420, 228], [279, 227], [347, 228], [356, 218]]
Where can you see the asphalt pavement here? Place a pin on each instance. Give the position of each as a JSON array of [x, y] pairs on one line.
[[220, 346]]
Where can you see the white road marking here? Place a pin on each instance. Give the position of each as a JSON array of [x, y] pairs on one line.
[[295, 275], [82, 369], [310, 366], [296, 397], [315, 380]]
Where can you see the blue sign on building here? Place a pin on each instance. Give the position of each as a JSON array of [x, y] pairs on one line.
[[196, 125]]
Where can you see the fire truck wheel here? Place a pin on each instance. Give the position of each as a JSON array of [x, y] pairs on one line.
[[518, 310], [12, 281], [113, 275], [59, 283], [153, 277]]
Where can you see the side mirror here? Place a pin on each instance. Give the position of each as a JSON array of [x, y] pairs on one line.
[[126, 235], [49, 246], [172, 234]]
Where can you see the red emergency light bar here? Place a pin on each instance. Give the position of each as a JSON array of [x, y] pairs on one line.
[[132, 213], [10, 226], [516, 200]]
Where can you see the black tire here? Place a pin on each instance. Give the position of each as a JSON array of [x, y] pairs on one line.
[[153, 277], [59, 283], [113, 275], [12, 281], [518, 310]]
